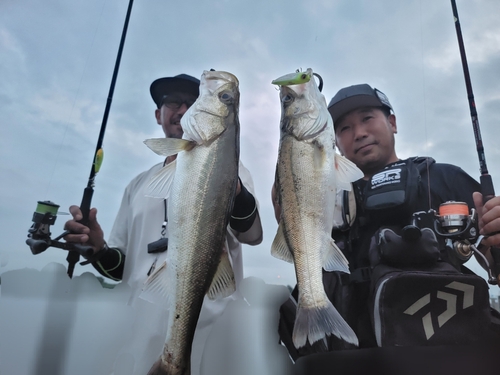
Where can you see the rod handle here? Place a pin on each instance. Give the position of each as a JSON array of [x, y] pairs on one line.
[[487, 188], [85, 205], [488, 192]]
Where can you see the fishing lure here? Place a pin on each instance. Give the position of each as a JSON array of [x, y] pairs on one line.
[[294, 78]]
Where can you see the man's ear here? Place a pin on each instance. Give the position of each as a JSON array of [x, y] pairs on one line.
[[392, 121], [157, 115]]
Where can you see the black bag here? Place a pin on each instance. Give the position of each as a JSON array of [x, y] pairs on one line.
[[427, 303], [434, 307]]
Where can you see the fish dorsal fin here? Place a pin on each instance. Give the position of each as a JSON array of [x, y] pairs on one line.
[[161, 182], [346, 172], [279, 248], [169, 146], [223, 283], [156, 288], [333, 258]]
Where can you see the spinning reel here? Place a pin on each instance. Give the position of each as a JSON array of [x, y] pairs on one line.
[[457, 226], [39, 234]]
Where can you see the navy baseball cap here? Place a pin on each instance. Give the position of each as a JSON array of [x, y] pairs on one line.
[[356, 96], [167, 85]]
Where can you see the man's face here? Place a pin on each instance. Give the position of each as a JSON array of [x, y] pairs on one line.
[[171, 111], [366, 137]]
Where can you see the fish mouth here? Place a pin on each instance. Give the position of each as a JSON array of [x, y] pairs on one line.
[[218, 80]]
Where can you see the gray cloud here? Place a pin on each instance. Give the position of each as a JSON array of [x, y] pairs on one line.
[[57, 60]]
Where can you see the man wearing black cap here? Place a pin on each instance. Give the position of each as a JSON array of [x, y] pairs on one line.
[[365, 126], [139, 238], [357, 111], [390, 192]]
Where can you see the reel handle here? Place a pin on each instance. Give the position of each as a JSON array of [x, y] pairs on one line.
[[37, 246]]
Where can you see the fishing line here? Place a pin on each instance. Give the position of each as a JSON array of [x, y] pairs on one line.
[[77, 95], [424, 86]]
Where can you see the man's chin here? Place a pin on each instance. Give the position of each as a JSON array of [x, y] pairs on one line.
[[175, 132], [176, 135], [369, 162]]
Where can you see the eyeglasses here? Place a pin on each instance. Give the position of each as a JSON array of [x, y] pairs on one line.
[[175, 102]]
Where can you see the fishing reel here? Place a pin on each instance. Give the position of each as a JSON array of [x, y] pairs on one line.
[[457, 226], [39, 234]]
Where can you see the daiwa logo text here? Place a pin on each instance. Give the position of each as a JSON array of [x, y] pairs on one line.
[[451, 305], [392, 176]]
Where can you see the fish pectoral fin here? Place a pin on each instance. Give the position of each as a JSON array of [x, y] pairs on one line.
[[223, 283], [346, 172], [156, 287], [279, 248], [169, 146], [161, 182], [333, 258]]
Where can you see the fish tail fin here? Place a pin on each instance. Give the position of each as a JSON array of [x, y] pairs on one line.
[[156, 287], [314, 323], [346, 172], [333, 258]]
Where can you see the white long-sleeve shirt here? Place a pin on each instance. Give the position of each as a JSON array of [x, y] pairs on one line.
[[138, 223]]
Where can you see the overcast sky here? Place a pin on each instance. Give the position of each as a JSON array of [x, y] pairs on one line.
[[57, 59]]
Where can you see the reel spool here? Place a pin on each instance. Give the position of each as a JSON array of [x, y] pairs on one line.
[[455, 223], [44, 216], [39, 239], [453, 216]]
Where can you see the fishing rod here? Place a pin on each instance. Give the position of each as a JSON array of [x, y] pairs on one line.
[[487, 188], [46, 212]]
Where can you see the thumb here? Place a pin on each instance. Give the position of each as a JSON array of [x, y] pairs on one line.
[[93, 217], [478, 202]]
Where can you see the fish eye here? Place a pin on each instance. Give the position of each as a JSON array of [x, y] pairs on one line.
[[226, 97], [287, 99]]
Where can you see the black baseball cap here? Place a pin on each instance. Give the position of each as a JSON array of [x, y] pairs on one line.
[[167, 85], [356, 96]]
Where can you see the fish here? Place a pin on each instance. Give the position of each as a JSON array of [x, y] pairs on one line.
[[308, 173], [201, 187]]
